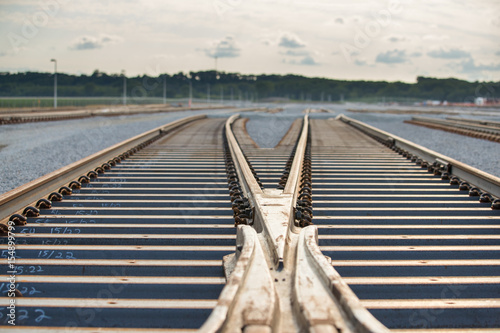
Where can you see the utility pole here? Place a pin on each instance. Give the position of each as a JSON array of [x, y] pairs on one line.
[[124, 88], [215, 67], [190, 92], [55, 82], [208, 94], [164, 89], [222, 95]]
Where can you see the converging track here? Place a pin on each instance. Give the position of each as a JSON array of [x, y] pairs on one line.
[[340, 228], [269, 164]]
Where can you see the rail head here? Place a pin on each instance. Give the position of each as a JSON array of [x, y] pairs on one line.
[[481, 179], [18, 198], [249, 298], [243, 169], [292, 183]]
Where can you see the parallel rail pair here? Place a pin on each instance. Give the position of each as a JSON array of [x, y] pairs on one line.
[[20, 117]]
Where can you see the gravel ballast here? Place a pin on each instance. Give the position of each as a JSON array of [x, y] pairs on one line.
[[32, 150]]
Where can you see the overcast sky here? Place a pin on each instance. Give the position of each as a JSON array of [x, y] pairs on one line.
[[352, 39]]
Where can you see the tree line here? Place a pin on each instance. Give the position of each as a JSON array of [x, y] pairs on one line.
[[238, 86]]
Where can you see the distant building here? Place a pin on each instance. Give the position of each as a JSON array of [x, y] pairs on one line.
[[480, 101], [486, 101]]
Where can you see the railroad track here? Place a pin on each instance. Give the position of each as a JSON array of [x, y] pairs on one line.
[[474, 121], [487, 130], [419, 253], [20, 117], [147, 240], [138, 246]]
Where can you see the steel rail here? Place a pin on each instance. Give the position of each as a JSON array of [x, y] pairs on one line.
[[29, 193], [468, 126], [475, 121], [475, 131], [7, 118], [17, 118], [249, 300], [292, 183], [246, 176], [481, 179]]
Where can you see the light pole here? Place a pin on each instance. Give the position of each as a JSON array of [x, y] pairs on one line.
[[208, 94], [55, 82], [124, 88], [190, 92], [164, 89]]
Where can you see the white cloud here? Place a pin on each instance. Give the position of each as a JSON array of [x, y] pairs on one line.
[[469, 66], [291, 41], [297, 53], [448, 53], [264, 33], [225, 48], [295, 47], [359, 62], [363, 62], [91, 43], [308, 61], [305, 61], [392, 57]]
